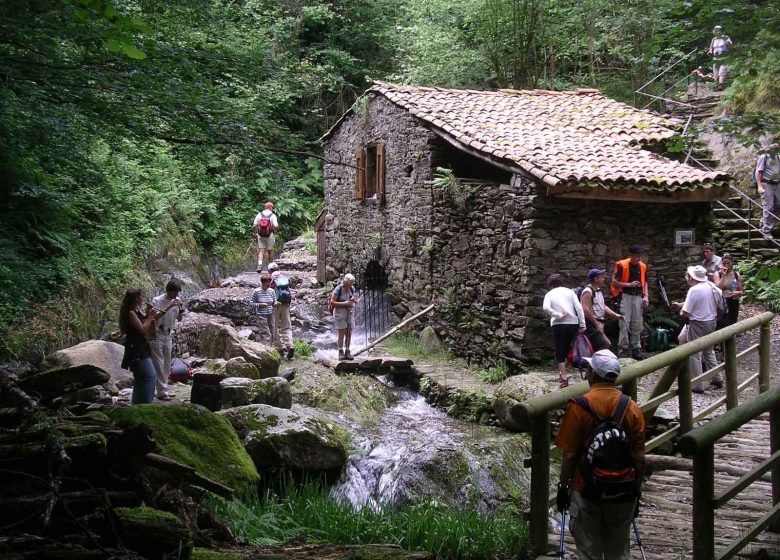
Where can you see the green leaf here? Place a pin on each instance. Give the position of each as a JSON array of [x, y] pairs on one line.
[[131, 51], [112, 45]]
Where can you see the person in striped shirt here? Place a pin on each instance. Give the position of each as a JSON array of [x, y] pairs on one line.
[[263, 300]]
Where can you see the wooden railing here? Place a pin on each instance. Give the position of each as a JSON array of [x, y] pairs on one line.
[[534, 415], [700, 444]]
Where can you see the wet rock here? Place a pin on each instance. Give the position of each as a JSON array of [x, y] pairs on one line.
[[222, 341], [430, 341], [292, 439], [516, 389], [101, 354], [232, 303], [186, 334], [239, 367], [306, 263], [94, 394], [252, 280], [56, 382], [240, 391]]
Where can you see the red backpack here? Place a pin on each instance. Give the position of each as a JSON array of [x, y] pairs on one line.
[[264, 226]]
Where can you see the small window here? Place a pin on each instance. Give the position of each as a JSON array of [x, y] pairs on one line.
[[370, 172]]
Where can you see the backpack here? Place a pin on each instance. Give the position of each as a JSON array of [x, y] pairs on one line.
[[721, 307], [607, 466], [264, 226], [282, 289], [578, 292], [180, 371], [764, 176], [580, 349], [338, 289]]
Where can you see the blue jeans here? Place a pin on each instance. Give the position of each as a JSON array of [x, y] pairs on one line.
[[144, 378]]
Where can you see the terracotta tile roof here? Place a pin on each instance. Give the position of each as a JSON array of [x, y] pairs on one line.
[[562, 138]]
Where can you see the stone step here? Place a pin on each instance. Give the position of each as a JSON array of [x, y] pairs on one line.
[[732, 222], [756, 239]]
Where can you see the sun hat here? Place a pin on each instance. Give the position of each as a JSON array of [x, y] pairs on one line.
[[636, 249], [604, 364], [593, 272], [269, 205], [698, 273]]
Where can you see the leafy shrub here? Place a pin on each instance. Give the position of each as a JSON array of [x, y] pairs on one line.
[[303, 348], [761, 282]]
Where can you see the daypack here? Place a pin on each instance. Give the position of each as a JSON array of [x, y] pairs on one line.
[[607, 466], [282, 289], [580, 349], [578, 292], [264, 226], [721, 307], [180, 371]]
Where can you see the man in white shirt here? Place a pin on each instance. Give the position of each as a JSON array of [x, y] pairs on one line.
[[263, 227], [767, 176], [701, 310], [719, 44], [162, 344]]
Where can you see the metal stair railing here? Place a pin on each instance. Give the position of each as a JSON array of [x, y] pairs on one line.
[[663, 72]]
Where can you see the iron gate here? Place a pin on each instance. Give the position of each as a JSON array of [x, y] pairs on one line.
[[373, 309]]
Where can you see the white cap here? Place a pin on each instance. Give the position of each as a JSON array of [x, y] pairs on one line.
[[605, 364]]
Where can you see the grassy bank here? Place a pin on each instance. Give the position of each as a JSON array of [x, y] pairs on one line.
[[308, 513]]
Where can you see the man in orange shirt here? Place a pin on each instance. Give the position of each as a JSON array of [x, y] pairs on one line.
[[600, 526]]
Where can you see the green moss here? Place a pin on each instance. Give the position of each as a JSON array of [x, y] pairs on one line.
[[194, 436], [146, 513], [98, 416], [208, 554]]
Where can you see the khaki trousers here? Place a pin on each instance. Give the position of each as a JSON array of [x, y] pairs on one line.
[[161, 348], [631, 309], [600, 530], [265, 329], [282, 327]]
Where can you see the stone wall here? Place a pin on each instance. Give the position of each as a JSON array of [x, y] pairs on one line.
[[481, 248], [394, 232]]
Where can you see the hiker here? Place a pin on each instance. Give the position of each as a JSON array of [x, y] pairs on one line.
[[710, 261], [595, 310], [161, 345], [342, 303], [700, 310], [263, 301], [566, 321], [629, 283], [602, 495], [719, 44], [767, 176], [263, 227], [730, 283], [135, 324], [282, 333]]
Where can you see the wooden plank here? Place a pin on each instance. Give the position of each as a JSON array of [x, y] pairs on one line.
[[730, 355], [746, 537]]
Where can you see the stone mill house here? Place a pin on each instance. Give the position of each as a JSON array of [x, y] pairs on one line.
[[470, 199]]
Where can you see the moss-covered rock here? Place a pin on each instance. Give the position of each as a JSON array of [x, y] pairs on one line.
[[192, 435], [239, 367], [241, 391], [516, 389], [293, 439], [222, 341], [154, 533]]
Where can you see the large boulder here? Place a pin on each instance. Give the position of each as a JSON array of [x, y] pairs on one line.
[[101, 354], [239, 367], [292, 439], [232, 303], [240, 391], [222, 341], [57, 382], [516, 389], [194, 436], [186, 334], [430, 341]]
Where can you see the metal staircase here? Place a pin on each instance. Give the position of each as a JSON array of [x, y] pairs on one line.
[[736, 220]]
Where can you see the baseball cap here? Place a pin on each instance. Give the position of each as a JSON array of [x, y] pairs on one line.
[[604, 364], [593, 272], [272, 266], [269, 205]]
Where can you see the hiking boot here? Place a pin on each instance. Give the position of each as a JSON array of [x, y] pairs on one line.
[[623, 353], [347, 355], [290, 352], [341, 354], [637, 354], [698, 389], [717, 383]]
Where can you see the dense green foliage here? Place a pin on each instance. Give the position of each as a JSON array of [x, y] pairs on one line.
[[308, 513], [134, 132], [761, 282]]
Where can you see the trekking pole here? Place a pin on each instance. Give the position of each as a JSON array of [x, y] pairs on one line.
[[561, 544], [638, 539]]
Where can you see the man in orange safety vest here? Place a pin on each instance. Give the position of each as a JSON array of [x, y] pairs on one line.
[[629, 282]]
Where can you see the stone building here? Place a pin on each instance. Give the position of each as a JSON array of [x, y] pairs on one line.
[[472, 198]]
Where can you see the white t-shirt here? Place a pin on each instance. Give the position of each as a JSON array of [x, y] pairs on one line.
[[562, 299], [267, 214], [167, 321], [597, 302], [700, 302]]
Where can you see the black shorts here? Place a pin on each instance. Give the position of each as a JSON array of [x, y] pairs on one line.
[[598, 340], [563, 336]]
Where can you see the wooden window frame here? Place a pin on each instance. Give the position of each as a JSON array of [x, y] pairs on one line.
[[370, 154]]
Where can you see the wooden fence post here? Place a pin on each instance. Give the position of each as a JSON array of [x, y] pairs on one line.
[[730, 353], [764, 347], [540, 481], [774, 447], [703, 506], [685, 397]]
